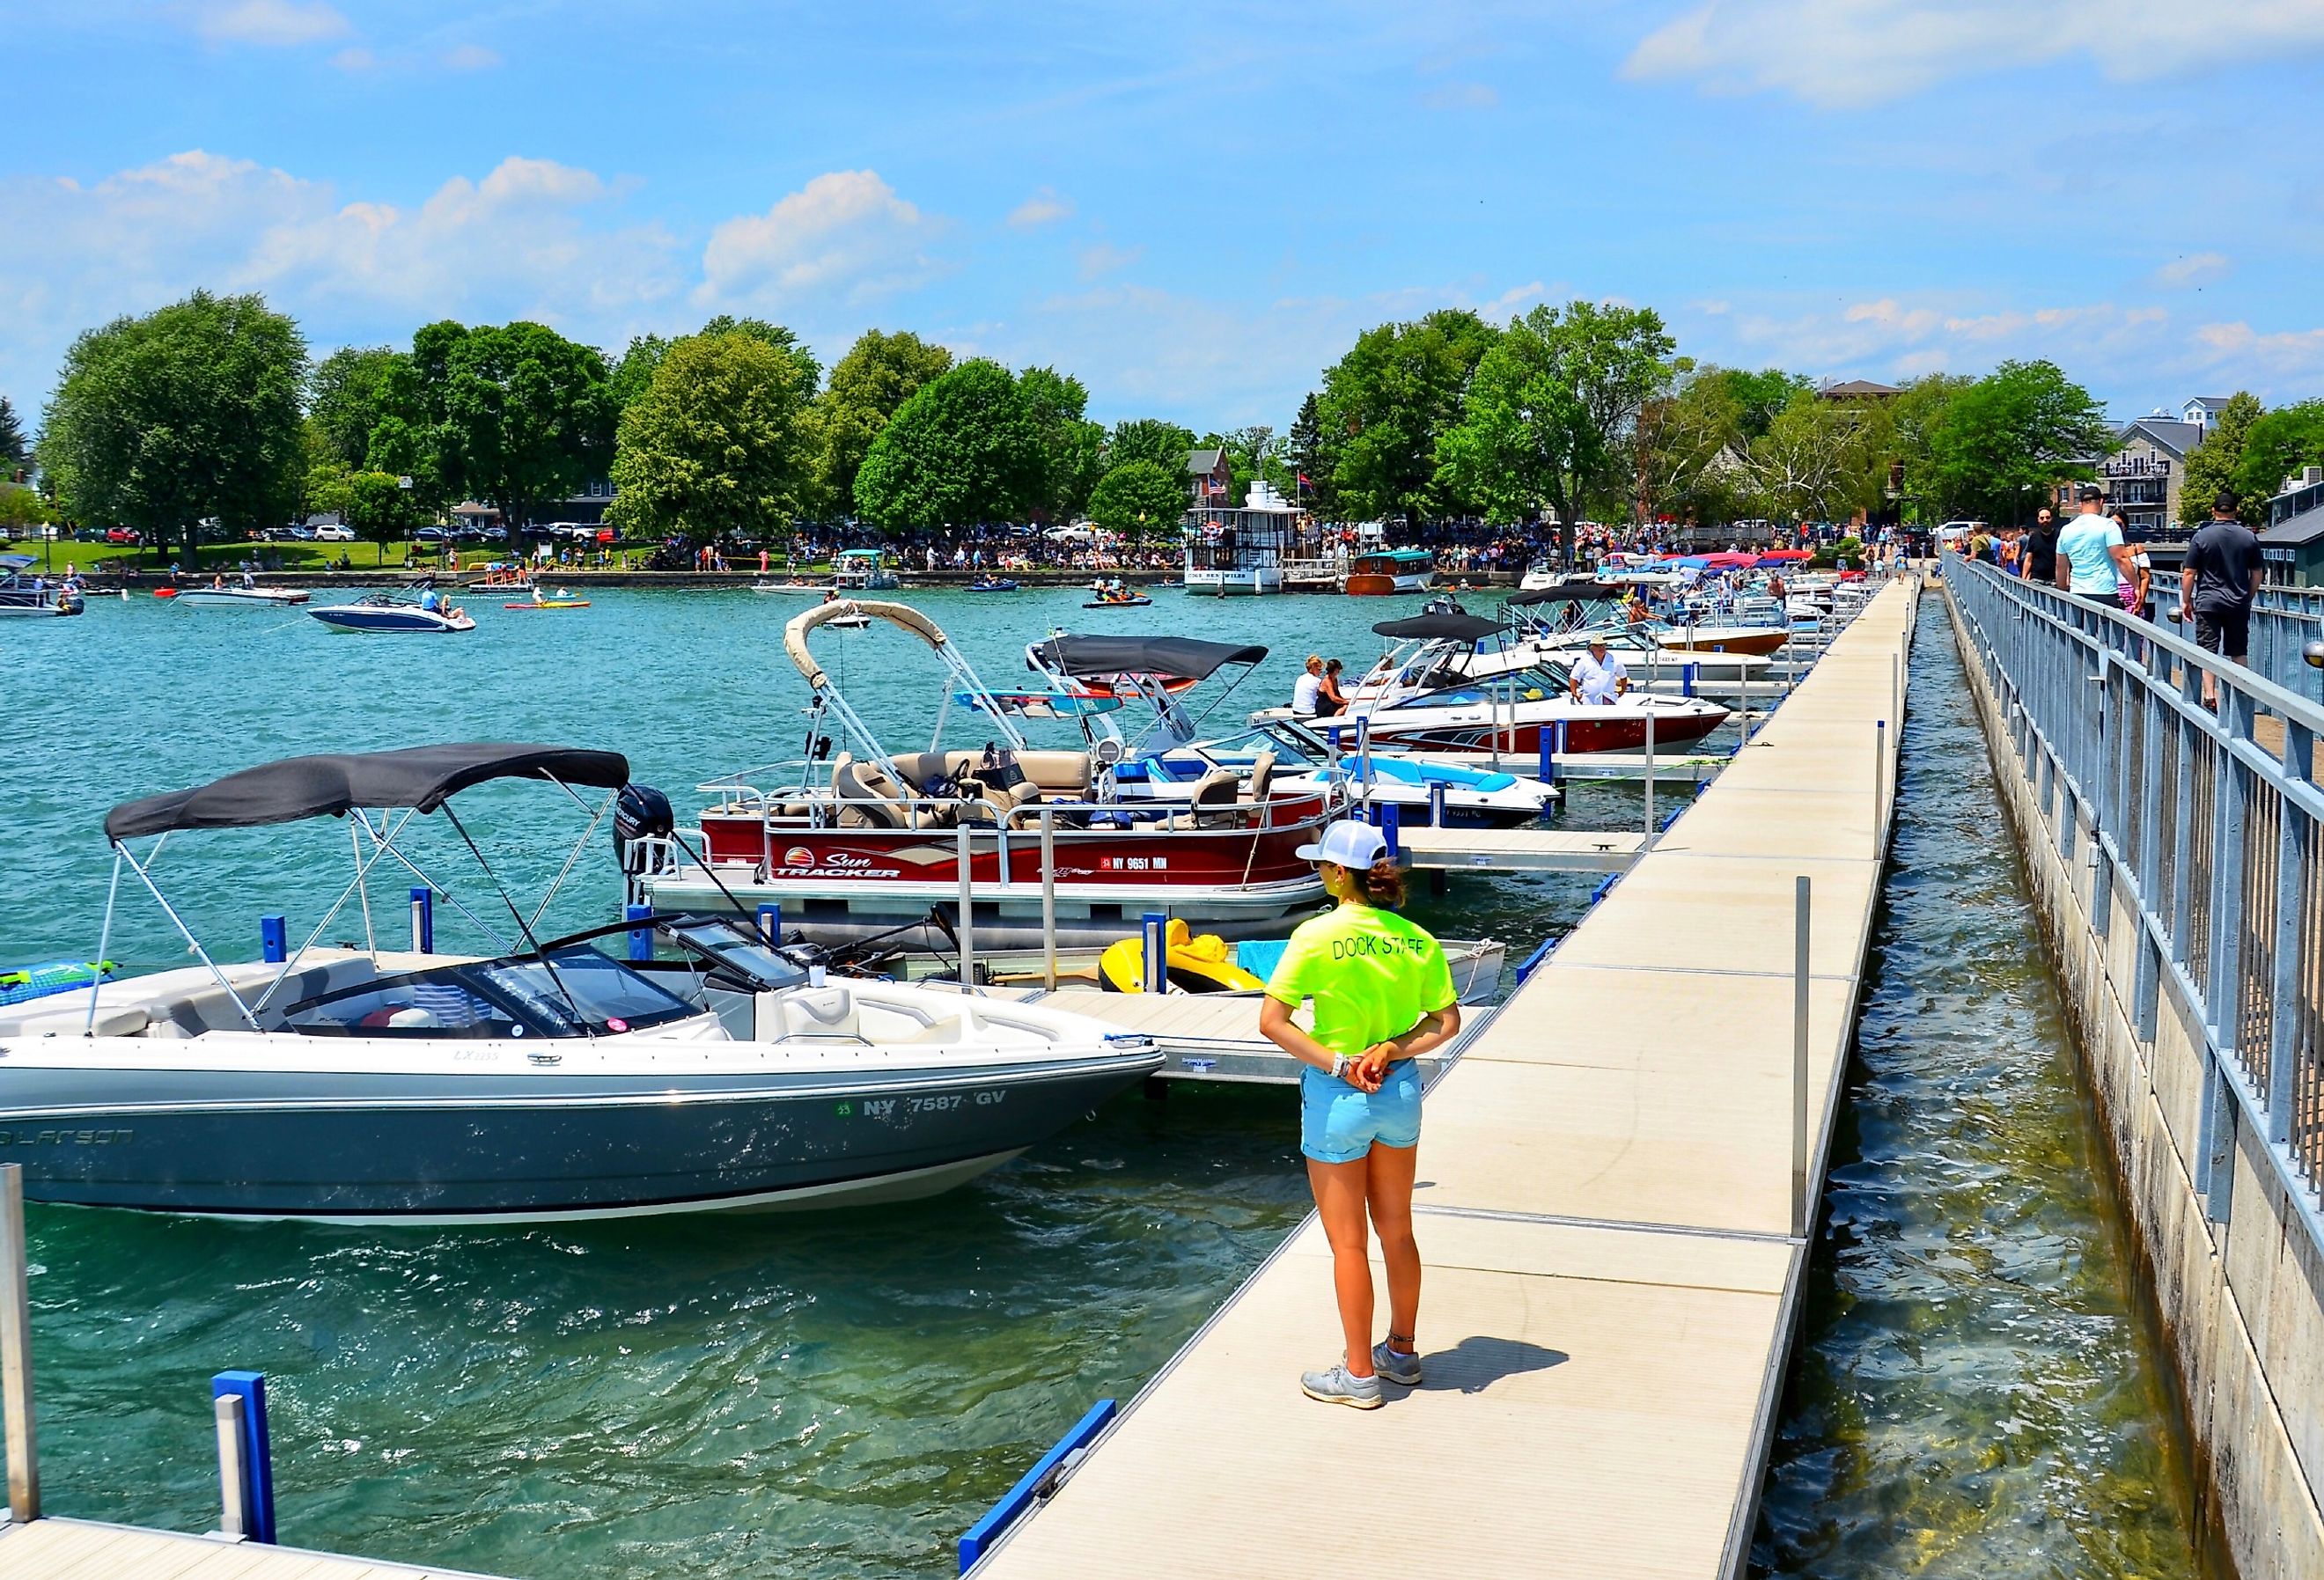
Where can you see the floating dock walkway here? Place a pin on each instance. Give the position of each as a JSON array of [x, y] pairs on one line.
[[1616, 1183], [83, 1549]]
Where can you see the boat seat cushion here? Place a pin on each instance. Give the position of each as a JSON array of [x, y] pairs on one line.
[[811, 1011], [1050, 773], [111, 1020]]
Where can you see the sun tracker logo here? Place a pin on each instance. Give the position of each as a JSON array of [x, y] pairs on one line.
[[798, 855]]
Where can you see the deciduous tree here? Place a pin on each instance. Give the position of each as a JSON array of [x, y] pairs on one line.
[[2277, 446], [1306, 444], [718, 446], [1148, 438], [527, 415], [355, 388], [1550, 417], [2003, 441], [1140, 499], [187, 414], [961, 452], [1387, 405], [1072, 448], [868, 386], [2211, 465], [14, 451]]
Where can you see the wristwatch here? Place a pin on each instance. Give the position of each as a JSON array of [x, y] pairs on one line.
[[1339, 1063]]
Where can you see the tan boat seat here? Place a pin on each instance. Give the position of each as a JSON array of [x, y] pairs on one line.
[[1262, 778], [1065, 774], [877, 800], [828, 1011]]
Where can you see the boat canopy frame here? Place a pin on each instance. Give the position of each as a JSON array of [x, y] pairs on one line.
[[412, 781], [828, 700]]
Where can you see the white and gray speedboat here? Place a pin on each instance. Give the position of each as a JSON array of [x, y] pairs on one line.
[[550, 1081]]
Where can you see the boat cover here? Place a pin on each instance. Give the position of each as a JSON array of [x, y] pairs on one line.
[[1571, 592], [1446, 626], [902, 616], [1179, 656], [419, 777]]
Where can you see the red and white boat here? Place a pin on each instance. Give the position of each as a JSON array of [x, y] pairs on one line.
[[856, 840], [1432, 693]]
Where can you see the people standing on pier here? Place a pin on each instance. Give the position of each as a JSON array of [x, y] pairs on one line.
[[1597, 676], [2219, 583], [2092, 560], [1383, 996], [2039, 557]]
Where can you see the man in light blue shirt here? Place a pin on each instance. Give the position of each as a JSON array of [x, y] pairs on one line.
[[2093, 562]]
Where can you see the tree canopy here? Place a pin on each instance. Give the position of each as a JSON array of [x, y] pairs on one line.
[[2212, 465], [2003, 441], [1140, 498], [1387, 404], [1148, 438], [354, 389], [868, 386], [719, 444], [962, 451], [2278, 445], [526, 416], [1550, 415], [1072, 448], [13, 451], [187, 414]]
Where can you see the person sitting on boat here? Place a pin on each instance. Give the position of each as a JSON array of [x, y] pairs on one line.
[[1598, 678], [430, 601], [218, 583], [1307, 691], [1328, 694]]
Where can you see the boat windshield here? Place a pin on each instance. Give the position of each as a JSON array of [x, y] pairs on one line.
[[586, 993], [1532, 684], [728, 946]]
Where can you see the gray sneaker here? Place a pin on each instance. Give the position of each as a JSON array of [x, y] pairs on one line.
[[1398, 1366], [1336, 1387]]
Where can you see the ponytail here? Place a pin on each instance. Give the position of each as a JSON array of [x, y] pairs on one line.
[[1381, 884]]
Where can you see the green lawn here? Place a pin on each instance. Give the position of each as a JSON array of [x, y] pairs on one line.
[[287, 555]]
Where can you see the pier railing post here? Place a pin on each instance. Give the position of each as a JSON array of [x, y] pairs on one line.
[[423, 920], [1801, 907], [1648, 844], [16, 1350], [234, 1469], [1050, 897]]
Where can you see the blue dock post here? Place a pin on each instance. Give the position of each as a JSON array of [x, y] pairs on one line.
[[1391, 823], [1688, 676], [1155, 944], [257, 1479], [770, 921], [641, 937], [273, 939], [1437, 818], [423, 920]]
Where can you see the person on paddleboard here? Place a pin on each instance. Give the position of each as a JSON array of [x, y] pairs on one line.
[[1383, 996]]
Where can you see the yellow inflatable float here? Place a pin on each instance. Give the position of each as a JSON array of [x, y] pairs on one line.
[[1195, 964]]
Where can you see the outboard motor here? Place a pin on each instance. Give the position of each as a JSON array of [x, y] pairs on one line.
[[641, 815]]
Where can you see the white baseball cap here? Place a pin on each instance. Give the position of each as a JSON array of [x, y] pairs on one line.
[[1346, 843]]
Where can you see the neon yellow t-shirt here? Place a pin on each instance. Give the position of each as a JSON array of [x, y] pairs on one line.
[[1371, 973]]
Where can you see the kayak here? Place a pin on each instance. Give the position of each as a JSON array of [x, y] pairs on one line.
[[1139, 603], [549, 604]]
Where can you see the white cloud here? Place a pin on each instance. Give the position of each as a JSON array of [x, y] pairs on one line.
[[2194, 269], [279, 22], [1042, 208], [846, 231], [1855, 53], [470, 58], [1461, 96], [1103, 258], [2295, 358]]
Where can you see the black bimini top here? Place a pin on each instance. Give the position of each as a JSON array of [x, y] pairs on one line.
[[1450, 626], [419, 777], [1186, 656], [1571, 592]]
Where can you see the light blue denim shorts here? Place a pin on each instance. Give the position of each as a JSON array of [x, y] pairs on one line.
[[1338, 1123]]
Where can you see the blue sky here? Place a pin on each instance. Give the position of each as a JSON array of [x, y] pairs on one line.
[[1196, 208]]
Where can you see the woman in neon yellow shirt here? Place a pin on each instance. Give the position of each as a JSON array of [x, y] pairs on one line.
[[1383, 996]]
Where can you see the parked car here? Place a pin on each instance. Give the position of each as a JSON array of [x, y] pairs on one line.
[[332, 532], [124, 535], [431, 535]]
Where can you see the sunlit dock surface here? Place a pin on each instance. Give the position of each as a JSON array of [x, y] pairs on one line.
[[1607, 1212], [83, 1549]]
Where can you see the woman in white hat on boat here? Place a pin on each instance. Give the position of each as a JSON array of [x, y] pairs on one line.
[[1383, 996]]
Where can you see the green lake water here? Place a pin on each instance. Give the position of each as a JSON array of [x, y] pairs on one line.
[[841, 1395]]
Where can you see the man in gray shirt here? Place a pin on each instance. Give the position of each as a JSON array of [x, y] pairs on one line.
[[2219, 582]]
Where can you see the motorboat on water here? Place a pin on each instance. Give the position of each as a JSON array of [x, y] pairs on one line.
[[863, 570], [544, 1080], [1423, 695], [991, 584], [245, 595], [853, 839], [790, 589], [1557, 623], [1382, 572], [26, 593], [1275, 752], [385, 612]]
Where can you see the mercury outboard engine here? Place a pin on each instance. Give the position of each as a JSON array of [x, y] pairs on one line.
[[641, 814]]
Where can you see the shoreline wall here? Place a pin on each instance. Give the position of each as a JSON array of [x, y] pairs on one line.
[[2242, 1295]]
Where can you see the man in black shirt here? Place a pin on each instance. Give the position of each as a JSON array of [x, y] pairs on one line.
[[2039, 552], [2219, 582]]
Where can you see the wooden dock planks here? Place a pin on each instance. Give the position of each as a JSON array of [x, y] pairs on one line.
[[1604, 1209], [82, 1549]]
